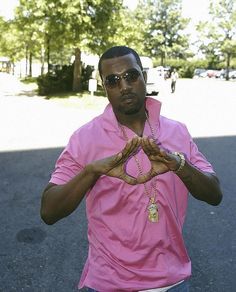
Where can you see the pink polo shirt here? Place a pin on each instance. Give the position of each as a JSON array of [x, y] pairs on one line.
[[127, 252]]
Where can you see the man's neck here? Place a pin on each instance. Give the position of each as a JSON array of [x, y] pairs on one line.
[[135, 122]]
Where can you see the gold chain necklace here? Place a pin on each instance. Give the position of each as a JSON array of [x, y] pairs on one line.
[[152, 208]]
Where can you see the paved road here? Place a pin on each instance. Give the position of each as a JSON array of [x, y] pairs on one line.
[[35, 257]]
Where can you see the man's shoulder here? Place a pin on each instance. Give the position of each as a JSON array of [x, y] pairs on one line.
[[167, 120], [90, 127], [169, 123]]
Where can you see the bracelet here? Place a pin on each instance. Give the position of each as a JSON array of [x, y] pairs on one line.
[[182, 162]]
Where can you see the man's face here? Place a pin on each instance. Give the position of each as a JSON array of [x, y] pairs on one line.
[[124, 84]]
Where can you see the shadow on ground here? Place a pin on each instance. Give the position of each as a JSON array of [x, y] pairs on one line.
[[37, 257]]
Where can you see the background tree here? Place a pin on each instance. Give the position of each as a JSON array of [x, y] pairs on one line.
[[54, 31], [2, 25], [218, 35], [51, 27], [40, 29], [131, 29], [208, 42], [86, 25], [10, 43], [224, 16], [164, 28]]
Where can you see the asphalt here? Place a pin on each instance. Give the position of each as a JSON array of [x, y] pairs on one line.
[[39, 258]]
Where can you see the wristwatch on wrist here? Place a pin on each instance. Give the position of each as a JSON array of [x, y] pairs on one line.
[[182, 162]]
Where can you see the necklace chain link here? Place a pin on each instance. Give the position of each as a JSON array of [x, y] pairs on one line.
[[153, 213], [153, 184]]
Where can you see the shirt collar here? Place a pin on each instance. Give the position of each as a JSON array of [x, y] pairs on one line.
[[110, 123]]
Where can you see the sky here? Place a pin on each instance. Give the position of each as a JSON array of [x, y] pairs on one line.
[[7, 7]]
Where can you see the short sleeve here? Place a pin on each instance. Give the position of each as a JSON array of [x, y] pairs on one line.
[[67, 165], [198, 159]]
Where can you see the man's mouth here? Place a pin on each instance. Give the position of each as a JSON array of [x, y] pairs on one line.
[[128, 98]]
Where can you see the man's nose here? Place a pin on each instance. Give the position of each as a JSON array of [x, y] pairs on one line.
[[124, 85]]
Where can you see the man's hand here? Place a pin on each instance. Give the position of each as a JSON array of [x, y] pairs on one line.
[[115, 165], [161, 161]]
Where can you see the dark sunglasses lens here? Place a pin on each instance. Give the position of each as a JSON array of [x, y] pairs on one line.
[[111, 81], [132, 76]]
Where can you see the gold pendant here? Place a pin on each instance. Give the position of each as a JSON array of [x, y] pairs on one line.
[[153, 211]]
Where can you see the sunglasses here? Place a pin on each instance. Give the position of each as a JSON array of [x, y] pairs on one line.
[[112, 81]]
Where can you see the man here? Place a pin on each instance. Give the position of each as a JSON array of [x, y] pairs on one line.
[[135, 169], [174, 76]]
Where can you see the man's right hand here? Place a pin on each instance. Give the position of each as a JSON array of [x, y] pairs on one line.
[[114, 165]]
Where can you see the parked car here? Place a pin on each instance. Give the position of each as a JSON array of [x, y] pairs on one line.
[[199, 72], [163, 72], [211, 73], [218, 73], [232, 74]]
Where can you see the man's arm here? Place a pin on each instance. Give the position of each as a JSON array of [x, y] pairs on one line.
[[58, 201], [203, 186]]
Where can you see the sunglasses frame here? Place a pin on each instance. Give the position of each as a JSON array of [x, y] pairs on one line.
[[113, 80]]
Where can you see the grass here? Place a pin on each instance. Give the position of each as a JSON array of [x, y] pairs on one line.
[[73, 99], [28, 80], [82, 100], [69, 94]]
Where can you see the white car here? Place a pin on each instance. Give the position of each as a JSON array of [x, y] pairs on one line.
[[232, 74], [152, 87]]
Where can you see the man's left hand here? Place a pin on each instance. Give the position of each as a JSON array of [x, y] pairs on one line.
[[161, 160]]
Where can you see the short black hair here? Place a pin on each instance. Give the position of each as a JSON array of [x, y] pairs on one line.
[[118, 51]]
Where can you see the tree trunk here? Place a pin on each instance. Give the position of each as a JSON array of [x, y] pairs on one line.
[[13, 68], [162, 59], [227, 66], [77, 86], [48, 52], [26, 61], [30, 64], [42, 59]]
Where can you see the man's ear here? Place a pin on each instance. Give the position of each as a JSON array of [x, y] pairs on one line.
[[145, 76]]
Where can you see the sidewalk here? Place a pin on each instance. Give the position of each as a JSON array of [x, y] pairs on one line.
[[28, 121], [32, 122]]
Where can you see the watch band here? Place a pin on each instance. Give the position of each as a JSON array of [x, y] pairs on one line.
[[182, 162]]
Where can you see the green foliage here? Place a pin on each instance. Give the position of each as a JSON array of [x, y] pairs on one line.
[[60, 79], [229, 46], [88, 25], [9, 46], [217, 37], [130, 30], [29, 80], [233, 63], [51, 31], [186, 68], [164, 27]]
